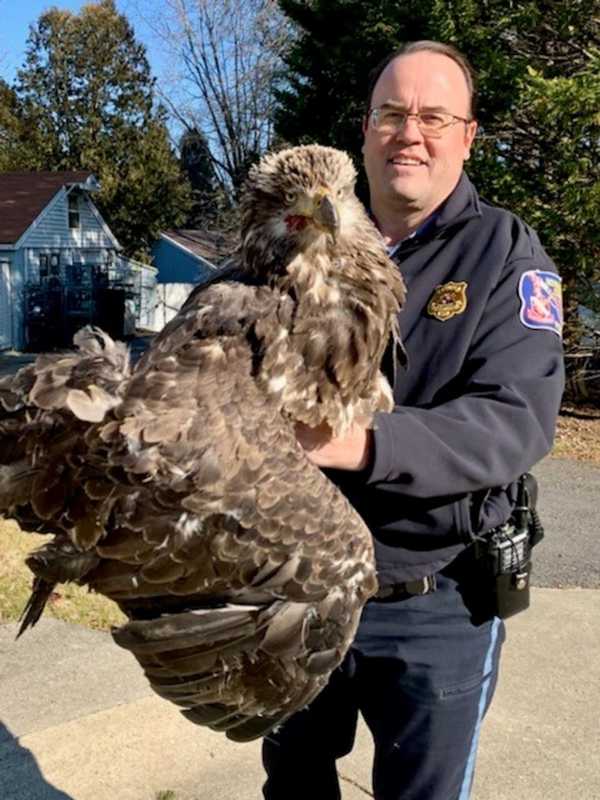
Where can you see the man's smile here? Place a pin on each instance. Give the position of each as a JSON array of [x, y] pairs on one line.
[[406, 161]]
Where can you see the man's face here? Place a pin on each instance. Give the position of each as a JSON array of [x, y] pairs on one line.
[[407, 170]]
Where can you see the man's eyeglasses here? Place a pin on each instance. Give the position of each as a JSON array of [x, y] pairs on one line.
[[434, 124]]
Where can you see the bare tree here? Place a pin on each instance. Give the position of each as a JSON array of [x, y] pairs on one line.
[[225, 65]]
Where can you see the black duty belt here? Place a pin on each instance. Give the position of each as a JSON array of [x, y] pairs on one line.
[[400, 591]]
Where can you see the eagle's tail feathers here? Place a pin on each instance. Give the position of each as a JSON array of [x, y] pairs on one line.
[[254, 727], [238, 726], [40, 595]]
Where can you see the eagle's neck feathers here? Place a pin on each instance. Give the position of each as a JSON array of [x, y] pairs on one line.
[[326, 367]]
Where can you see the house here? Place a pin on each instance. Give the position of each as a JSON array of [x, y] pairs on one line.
[[184, 259], [189, 256], [61, 267]]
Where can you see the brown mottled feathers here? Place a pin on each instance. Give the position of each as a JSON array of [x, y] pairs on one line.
[[178, 488]]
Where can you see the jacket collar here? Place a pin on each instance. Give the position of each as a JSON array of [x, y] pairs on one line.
[[460, 206]]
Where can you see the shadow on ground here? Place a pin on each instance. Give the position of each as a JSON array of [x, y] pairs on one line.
[[20, 776]]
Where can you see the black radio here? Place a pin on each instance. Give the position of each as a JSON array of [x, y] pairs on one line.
[[508, 560], [506, 552]]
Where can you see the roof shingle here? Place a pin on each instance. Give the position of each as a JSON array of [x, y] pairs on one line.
[[212, 246]]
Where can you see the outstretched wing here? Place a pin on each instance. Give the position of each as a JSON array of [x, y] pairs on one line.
[[242, 567]]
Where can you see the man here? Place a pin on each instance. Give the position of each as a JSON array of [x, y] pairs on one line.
[[475, 409]]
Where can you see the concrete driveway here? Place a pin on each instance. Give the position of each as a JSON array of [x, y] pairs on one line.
[[79, 722]]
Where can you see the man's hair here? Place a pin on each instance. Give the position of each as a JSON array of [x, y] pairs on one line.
[[430, 47]]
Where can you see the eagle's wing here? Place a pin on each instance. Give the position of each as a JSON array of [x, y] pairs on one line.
[[243, 568]]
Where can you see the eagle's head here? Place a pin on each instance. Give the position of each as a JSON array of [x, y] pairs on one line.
[[298, 200]]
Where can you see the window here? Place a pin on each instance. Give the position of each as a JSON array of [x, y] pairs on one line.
[[76, 272], [73, 210], [43, 262], [49, 265]]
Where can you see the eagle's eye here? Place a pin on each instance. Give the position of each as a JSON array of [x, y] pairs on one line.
[[290, 198]]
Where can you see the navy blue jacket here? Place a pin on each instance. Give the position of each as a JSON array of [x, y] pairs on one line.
[[478, 403]]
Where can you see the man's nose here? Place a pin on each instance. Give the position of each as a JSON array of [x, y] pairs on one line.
[[409, 131]]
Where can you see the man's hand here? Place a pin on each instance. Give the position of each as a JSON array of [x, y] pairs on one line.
[[351, 451]]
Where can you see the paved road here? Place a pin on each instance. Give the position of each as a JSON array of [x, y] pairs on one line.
[[569, 505], [78, 721]]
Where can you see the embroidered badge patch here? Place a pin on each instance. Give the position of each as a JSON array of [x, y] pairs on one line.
[[448, 300], [541, 301]]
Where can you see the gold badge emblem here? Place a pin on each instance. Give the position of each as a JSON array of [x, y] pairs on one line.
[[448, 300]]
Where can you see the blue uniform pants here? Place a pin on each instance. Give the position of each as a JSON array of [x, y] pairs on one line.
[[422, 675]]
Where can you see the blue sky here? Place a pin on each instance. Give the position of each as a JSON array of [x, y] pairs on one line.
[[17, 15]]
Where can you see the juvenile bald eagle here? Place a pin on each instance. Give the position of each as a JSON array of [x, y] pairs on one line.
[[178, 488]]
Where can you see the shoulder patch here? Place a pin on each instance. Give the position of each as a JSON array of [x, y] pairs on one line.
[[541, 301]]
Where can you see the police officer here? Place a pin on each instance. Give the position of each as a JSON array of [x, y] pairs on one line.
[[476, 408]]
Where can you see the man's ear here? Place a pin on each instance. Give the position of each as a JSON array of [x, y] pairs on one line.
[[365, 125], [470, 133]]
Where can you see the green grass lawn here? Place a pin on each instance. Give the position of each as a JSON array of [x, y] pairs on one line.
[[70, 603]]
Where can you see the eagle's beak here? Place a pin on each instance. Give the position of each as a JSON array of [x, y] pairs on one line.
[[325, 214], [319, 209]]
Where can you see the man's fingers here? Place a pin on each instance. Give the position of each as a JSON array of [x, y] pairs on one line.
[[313, 438]]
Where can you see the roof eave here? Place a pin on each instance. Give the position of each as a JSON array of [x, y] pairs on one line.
[[91, 184], [181, 246]]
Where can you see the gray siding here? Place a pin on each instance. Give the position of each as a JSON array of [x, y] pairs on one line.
[[91, 233], [68, 256], [176, 265], [52, 227]]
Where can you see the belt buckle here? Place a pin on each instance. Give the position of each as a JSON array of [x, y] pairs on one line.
[[421, 586], [399, 591]]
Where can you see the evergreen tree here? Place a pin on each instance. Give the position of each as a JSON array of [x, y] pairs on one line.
[[338, 43], [87, 100], [539, 85], [12, 156], [209, 205]]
